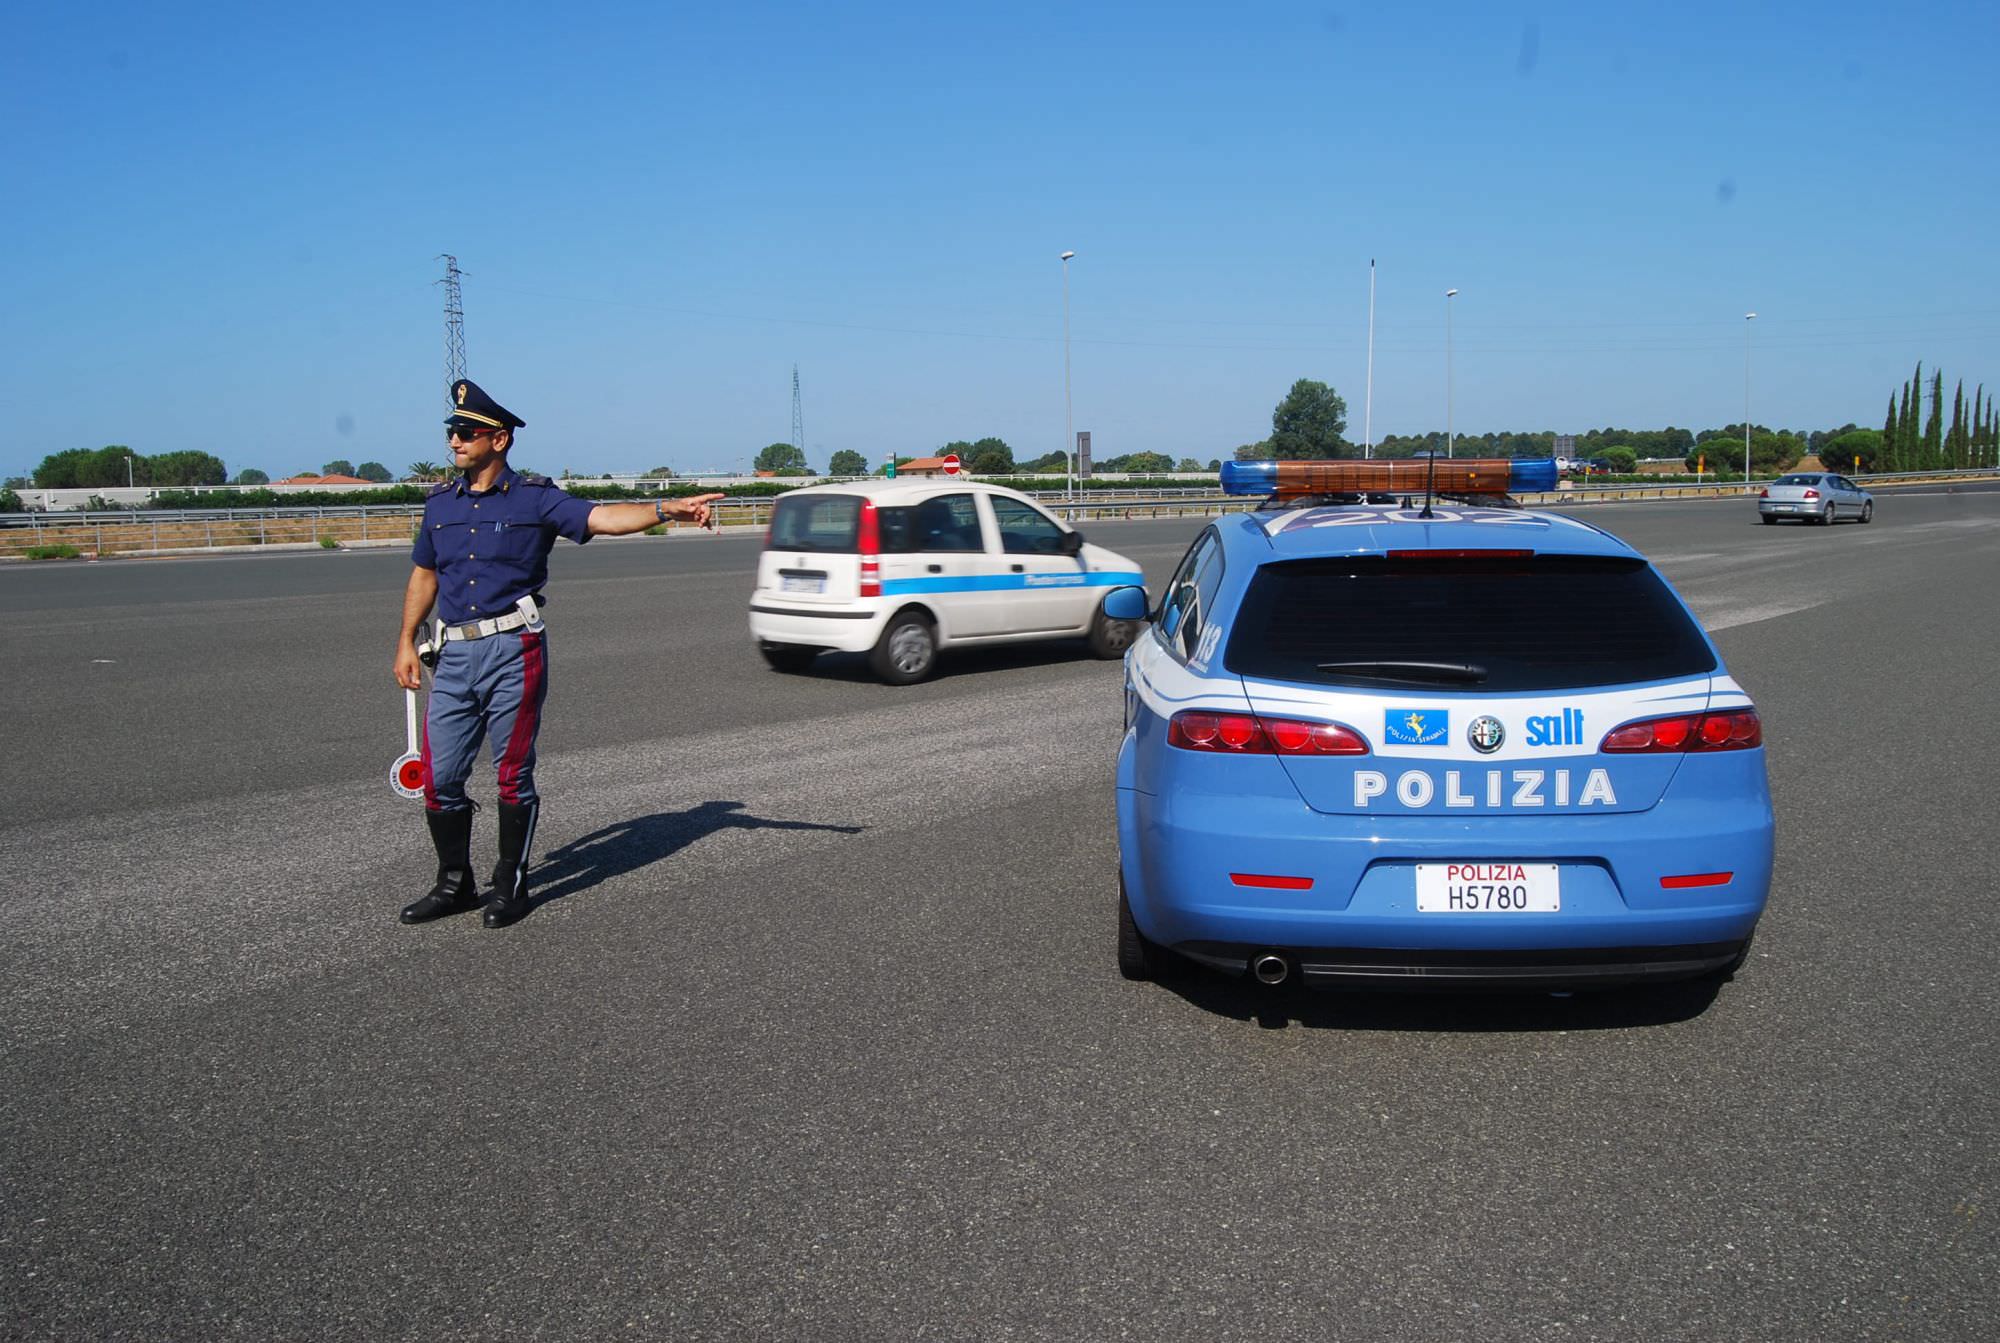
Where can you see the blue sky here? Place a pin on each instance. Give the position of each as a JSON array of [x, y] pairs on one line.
[[221, 222]]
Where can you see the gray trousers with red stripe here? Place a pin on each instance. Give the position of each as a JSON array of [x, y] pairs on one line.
[[492, 687]]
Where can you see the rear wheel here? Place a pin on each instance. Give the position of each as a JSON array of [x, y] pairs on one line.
[[1826, 516], [907, 651], [1767, 518], [788, 657], [1110, 638], [1137, 957]]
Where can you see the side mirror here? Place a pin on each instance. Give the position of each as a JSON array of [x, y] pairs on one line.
[[1072, 543], [1126, 604]]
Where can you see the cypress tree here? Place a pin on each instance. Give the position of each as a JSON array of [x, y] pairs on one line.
[[1966, 452], [1975, 451], [1934, 425], [1987, 436], [1913, 414], [1954, 452], [1970, 444], [1887, 459], [1983, 410]]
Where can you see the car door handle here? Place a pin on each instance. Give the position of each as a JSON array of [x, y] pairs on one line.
[[934, 568], [1016, 568]]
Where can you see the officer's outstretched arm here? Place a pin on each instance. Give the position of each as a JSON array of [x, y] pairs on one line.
[[624, 519], [417, 600]]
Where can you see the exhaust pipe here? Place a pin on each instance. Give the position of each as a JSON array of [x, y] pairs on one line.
[[1270, 969]]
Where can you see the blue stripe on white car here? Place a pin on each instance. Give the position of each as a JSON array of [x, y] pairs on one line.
[[897, 587]]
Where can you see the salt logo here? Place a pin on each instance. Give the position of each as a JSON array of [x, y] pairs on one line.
[[1561, 729]]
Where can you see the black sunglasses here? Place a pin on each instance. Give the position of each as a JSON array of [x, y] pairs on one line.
[[465, 432]]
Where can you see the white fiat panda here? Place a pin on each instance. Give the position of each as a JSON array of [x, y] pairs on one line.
[[900, 569]]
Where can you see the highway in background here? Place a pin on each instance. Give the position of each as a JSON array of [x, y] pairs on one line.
[[818, 1034]]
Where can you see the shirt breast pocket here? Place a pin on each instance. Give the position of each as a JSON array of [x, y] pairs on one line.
[[520, 540]]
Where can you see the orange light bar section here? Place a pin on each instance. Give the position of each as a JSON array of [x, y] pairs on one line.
[[1464, 475]]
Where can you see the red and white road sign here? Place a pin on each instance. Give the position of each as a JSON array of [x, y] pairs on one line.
[[950, 463]]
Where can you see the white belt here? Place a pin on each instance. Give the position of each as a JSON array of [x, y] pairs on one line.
[[528, 616]]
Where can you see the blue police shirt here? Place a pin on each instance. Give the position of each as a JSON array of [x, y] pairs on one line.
[[491, 549]]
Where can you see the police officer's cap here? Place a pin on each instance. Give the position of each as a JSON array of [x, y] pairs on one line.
[[471, 408]]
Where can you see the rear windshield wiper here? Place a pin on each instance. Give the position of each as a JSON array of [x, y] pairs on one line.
[[1466, 672]]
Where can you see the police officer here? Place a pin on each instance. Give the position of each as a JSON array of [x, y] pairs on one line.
[[481, 558]]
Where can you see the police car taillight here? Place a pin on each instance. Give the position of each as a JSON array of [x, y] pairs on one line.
[[869, 543], [1812, 494], [1252, 734], [1734, 730]]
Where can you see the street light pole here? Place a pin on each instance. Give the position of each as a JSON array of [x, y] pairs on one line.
[[1069, 426], [1368, 414], [1449, 295], [1748, 318], [128, 470]]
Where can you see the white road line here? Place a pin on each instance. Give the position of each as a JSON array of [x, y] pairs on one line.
[[1722, 615]]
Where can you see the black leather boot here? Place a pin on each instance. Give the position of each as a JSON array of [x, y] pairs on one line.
[[510, 875], [456, 890]]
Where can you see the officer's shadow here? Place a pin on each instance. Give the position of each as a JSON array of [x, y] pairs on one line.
[[631, 845]]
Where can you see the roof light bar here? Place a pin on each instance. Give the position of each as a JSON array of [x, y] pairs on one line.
[[1463, 475]]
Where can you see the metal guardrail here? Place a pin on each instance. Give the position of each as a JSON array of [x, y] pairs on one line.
[[138, 532], [52, 518]]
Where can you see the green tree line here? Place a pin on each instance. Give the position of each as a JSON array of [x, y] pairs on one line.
[[1309, 422], [107, 467]]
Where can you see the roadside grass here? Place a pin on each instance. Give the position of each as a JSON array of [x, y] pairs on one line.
[[55, 552]]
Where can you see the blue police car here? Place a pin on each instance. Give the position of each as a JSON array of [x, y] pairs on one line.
[[1431, 743]]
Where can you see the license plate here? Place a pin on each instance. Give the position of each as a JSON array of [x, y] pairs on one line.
[[800, 583], [1488, 888]]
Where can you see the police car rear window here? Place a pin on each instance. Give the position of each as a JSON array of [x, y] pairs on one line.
[[1477, 625]]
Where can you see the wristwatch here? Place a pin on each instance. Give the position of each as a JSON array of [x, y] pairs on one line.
[[660, 509]]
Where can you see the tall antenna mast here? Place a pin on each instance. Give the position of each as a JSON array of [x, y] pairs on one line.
[[1368, 415], [454, 321], [798, 415]]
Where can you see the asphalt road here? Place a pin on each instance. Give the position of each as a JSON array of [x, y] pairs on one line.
[[818, 1033]]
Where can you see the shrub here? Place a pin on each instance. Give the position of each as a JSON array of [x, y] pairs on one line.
[[55, 552]]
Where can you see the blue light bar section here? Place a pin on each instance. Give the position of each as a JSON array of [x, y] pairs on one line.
[[1528, 475], [1257, 478]]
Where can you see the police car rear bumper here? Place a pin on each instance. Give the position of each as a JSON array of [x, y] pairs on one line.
[[1625, 914], [1376, 968]]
